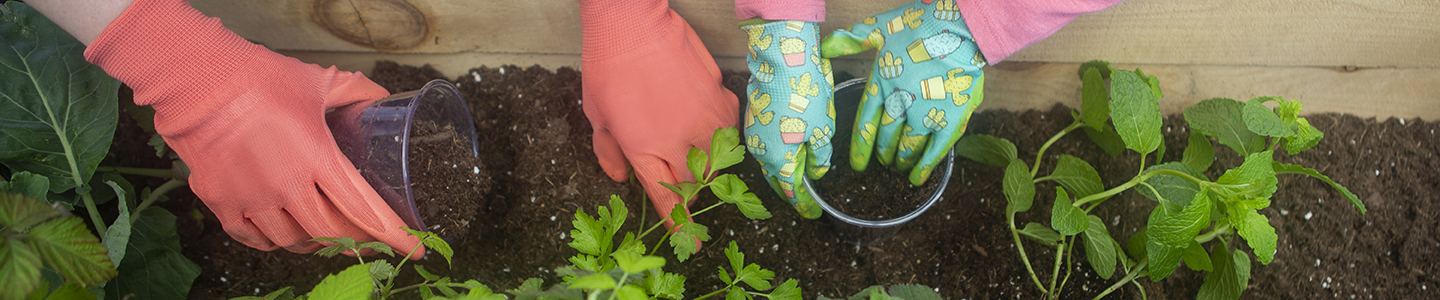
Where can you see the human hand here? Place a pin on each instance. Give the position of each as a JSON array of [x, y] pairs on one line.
[[790, 119], [926, 82]]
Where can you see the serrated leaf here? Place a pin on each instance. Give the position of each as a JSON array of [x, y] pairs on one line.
[[734, 257], [1305, 137], [425, 273], [434, 243], [1172, 192], [382, 270], [1163, 259], [1178, 229], [1135, 246], [594, 282], [684, 189], [725, 149], [1231, 275], [1196, 258], [736, 293], [635, 263], [696, 161], [1303, 170], [1077, 176], [27, 184], [630, 292], [1100, 249], [730, 189], [1019, 187], [1199, 154], [377, 246], [19, 213], [688, 234], [1135, 111], [1065, 218], [788, 290], [665, 285], [756, 277], [1258, 233], [986, 149], [352, 283], [117, 235], [1261, 120], [154, 267], [913, 292], [1253, 179], [57, 112], [1106, 139], [1223, 119], [68, 248], [19, 268], [1094, 98], [1040, 233]]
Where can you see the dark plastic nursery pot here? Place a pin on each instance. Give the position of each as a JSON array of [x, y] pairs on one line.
[[376, 136]]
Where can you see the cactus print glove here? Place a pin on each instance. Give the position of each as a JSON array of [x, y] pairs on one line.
[[789, 119], [925, 84]]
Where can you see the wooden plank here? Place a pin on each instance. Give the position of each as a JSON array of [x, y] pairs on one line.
[[1367, 92], [1403, 33]]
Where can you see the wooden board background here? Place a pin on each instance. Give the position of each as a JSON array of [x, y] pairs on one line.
[[1368, 57]]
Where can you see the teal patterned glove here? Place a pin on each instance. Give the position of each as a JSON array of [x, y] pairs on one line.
[[790, 117], [927, 72]]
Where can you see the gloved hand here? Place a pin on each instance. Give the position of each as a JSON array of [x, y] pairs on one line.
[[250, 124], [651, 91], [925, 84], [790, 118]]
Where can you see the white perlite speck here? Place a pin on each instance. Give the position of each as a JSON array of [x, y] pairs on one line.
[[476, 170], [475, 75], [1308, 215]]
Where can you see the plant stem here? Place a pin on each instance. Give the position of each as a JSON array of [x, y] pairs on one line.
[[1043, 179], [712, 206], [1135, 181], [1139, 269], [160, 173], [1041, 154], [620, 283], [1055, 272], [1024, 258], [661, 242], [418, 285], [712, 294], [95, 218], [1204, 238], [1069, 260], [155, 194], [652, 228]]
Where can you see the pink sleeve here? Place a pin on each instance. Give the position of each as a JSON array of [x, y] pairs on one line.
[[1002, 27], [794, 10]]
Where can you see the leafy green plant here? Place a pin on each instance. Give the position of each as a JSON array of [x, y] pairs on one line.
[[58, 116], [895, 292], [36, 239], [1198, 221]]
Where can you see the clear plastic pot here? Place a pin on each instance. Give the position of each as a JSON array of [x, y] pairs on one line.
[[375, 136]]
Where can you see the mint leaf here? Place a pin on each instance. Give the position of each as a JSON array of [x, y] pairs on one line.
[[1258, 233], [1163, 259], [1305, 137], [1041, 234], [1077, 176], [1196, 258], [1303, 170], [1099, 65], [1065, 218], [352, 283], [1261, 120], [1135, 111], [57, 112], [696, 160], [1172, 192], [1019, 187], [1253, 179], [1230, 277], [1178, 229], [1199, 154], [1094, 98], [1106, 139], [1100, 249], [1223, 119], [725, 149], [986, 149]]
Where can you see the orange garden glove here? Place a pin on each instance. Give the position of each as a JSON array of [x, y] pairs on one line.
[[250, 124], [651, 91]]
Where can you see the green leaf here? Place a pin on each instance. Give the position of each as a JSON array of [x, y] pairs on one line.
[[1253, 179], [986, 149], [1067, 219], [19, 213], [57, 112], [684, 189], [19, 268], [117, 235], [589, 235], [434, 243], [27, 184], [1172, 192], [1178, 229], [736, 293], [425, 273], [696, 161], [1100, 248], [1305, 137], [730, 189], [1261, 120], [1196, 258], [1019, 187], [725, 149], [1151, 81], [377, 246], [67, 247], [1135, 246], [1222, 119], [665, 285], [1094, 98], [1256, 230], [1135, 111], [1231, 275], [1163, 259], [1077, 176], [1199, 154], [688, 234], [914, 292], [382, 270], [630, 292], [1041, 234], [154, 267], [635, 263], [594, 282], [352, 283], [734, 257], [69, 291], [756, 277], [788, 290], [1098, 65], [1106, 139], [1303, 170]]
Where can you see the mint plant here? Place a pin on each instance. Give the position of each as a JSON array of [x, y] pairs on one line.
[[895, 292], [1198, 221]]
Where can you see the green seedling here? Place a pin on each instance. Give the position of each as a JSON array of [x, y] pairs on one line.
[[1198, 221]]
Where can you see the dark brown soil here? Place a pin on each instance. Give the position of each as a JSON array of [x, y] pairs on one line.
[[537, 142], [447, 181]]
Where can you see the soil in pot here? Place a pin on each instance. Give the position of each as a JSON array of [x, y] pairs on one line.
[[448, 182]]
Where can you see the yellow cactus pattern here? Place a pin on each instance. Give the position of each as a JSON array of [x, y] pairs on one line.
[[820, 137], [912, 17], [755, 144], [891, 66], [759, 41], [756, 112], [804, 86], [868, 132], [935, 119], [765, 72]]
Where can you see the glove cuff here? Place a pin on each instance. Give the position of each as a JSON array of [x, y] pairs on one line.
[[612, 28], [171, 55]]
